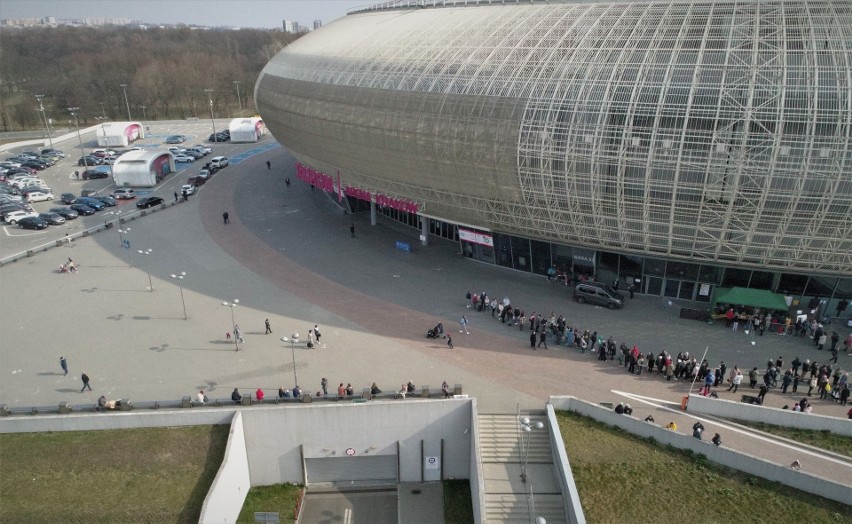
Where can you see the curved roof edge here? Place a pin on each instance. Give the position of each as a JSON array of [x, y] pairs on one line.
[[428, 4]]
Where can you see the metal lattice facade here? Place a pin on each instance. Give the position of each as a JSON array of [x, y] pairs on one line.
[[709, 131]]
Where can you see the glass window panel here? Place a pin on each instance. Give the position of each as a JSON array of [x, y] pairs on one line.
[[820, 286], [540, 256], [655, 267], [671, 288], [521, 254], [711, 274], [562, 257], [630, 266], [736, 277], [503, 249], [686, 289], [791, 284], [681, 270], [761, 280], [655, 286]]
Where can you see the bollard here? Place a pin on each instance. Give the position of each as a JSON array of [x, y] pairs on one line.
[[64, 407], [4, 410], [424, 392], [186, 402], [306, 398], [366, 394], [457, 389], [29, 252], [246, 400], [126, 405]]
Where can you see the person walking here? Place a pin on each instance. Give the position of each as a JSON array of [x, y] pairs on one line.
[[64, 365], [464, 322], [542, 338], [225, 217], [532, 339], [352, 230], [449, 341], [632, 289], [317, 333], [268, 165], [268, 327], [324, 385], [736, 379], [176, 196], [238, 333], [85, 378]]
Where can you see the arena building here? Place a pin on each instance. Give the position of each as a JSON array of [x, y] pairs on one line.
[[681, 145]]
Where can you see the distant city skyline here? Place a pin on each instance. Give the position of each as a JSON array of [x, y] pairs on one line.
[[244, 13]]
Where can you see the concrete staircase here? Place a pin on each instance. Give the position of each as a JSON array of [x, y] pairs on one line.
[[517, 491]]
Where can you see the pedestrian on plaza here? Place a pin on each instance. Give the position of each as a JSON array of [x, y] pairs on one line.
[[464, 322], [752, 378], [225, 217], [812, 384], [532, 339], [352, 230], [736, 379], [631, 289], [449, 341], [542, 338], [697, 429], [268, 165], [238, 333], [176, 196], [717, 439], [445, 388], [341, 391], [64, 365], [77, 174], [268, 327], [85, 378], [201, 398], [317, 333], [762, 392], [259, 395], [324, 384], [235, 395], [287, 181]]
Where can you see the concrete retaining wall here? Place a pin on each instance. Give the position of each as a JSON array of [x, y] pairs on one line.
[[274, 436], [224, 501], [115, 420], [477, 475], [573, 508], [726, 457], [778, 417]]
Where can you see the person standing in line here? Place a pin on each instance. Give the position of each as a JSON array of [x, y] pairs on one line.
[[64, 365], [324, 384], [532, 339], [542, 338], [268, 326], [464, 322], [736, 379], [85, 378], [352, 230], [225, 217], [268, 165], [317, 333]]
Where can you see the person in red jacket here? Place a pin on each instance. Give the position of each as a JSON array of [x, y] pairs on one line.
[[259, 395]]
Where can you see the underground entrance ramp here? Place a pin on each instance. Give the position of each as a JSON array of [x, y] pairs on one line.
[[364, 506]]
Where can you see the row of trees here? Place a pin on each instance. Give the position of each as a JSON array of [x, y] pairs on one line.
[[166, 70]]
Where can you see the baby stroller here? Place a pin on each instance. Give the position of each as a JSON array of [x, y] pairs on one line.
[[436, 332]]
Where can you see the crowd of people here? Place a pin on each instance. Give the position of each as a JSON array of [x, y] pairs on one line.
[[343, 392]]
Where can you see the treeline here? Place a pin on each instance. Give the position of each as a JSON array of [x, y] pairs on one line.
[[166, 72]]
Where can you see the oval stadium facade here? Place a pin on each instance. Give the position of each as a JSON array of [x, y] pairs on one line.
[[694, 132]]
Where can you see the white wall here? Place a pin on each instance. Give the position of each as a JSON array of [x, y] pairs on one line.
[[779, 417], [477, 474], [721, 455], [228, 492], [573, 508], [274, 435], [115, 420]]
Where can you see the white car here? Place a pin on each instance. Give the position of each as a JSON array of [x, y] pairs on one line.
[[188, 189], [23, 182], [175, 150], [9, 165], [219, 161], [14, 216], [184, 158], [39, 196], [123, 193]]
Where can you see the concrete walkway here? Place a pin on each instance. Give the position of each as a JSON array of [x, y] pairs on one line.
[[288, 256]]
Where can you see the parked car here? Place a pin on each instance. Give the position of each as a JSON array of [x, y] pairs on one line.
[[88, 191], [194, 154], [53, 152], [202, 148], [103, 153], [29, 154], [32, 223], [175, 139], [219, 161], [184, 159], [124, 193], [149, 201], [8, 207], [68, 198], [82, 209], [9, 165], [196, 180], [21, 169], [39, 196], [65, 212], [13, 216], [110, 160], [175, 150], [108, 201], [598, 294], [35, 164], [92, 202], [54, 219], [91, 174], [89, 160]]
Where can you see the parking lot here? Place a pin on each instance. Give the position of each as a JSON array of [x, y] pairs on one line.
[[61, 178]]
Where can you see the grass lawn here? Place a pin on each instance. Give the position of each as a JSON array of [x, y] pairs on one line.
[[622, 478], [278, 498], [131, 475], [458, 506], [821, 439]]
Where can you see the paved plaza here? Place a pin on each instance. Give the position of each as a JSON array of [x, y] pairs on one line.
[[287, 255]]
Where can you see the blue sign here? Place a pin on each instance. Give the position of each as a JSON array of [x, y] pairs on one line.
[[403, 246]]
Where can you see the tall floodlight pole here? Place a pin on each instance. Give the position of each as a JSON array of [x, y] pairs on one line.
[[231, 305], [212, 119], [143, 111], [239, 101], [147, 267], [73, 111], [126, 101], [179, 278], [46, 125]]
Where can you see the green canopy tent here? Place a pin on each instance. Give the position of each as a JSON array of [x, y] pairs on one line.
[[742, 296]]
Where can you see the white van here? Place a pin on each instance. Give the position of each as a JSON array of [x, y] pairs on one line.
[[219, 161]]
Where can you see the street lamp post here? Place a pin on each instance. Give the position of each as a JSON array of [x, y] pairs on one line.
[[44, 115], [125, 243], [231, 306], [212, 119], [147, 267], [73, 111], [526, 427], [179, 278], [126, 101], [142, 107], [293, 340], [103, 110], [239, 101]]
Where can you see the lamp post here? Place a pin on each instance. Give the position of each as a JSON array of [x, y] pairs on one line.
[[142, 107], [293, 340], [126, 101], [46, 125], [73, 111], [179, 278], [212, 119], [239, 101], [125, 243], [103, 110], [232, 305], [526, 427], [147, 267]]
